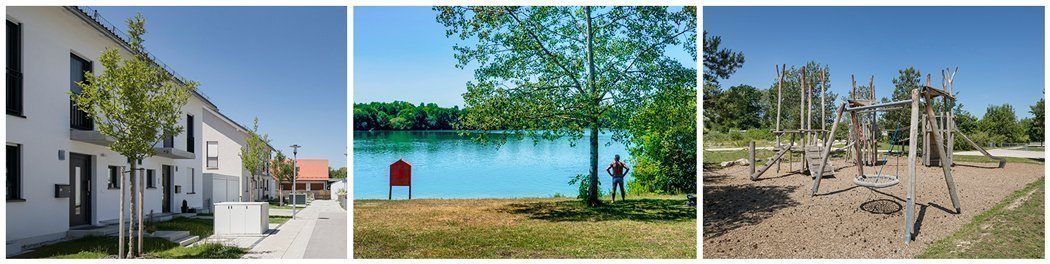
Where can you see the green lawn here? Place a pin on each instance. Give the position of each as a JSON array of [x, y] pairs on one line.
[[101, 247], [1011, 229], [983, 159], [197, 227], [277, 219], [641, 227]]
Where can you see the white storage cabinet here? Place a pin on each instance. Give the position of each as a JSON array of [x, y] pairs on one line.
[[242, 218]]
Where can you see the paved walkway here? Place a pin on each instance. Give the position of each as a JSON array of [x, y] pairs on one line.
[[1017, 153], [294, 239]]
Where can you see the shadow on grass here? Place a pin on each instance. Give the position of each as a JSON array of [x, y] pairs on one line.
[[730, 207], [647, 210]]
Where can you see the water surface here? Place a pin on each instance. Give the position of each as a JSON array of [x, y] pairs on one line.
[[446, 165]]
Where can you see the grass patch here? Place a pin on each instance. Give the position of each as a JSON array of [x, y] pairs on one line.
[[640, 227], [197, 227], [95, 247], [983, 159], [1013, 228], [277, 206], [279, 219]]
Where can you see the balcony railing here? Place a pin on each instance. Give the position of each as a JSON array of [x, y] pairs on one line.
[[79, 119]]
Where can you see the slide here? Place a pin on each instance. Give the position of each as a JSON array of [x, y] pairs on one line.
[[1002, 161]]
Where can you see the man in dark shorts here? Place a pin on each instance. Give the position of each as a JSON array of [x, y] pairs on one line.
[[617, 170]]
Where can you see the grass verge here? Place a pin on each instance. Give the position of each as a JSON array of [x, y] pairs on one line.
[[95, 247], [198, 227], [278, 219], [640, 227], [1013, 228]]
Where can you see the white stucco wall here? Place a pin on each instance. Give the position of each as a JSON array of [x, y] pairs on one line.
[[50, 34]]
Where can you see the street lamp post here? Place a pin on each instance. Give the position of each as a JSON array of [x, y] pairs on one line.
[[295, 174]]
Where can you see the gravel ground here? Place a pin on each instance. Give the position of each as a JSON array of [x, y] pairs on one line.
[[774, 217]]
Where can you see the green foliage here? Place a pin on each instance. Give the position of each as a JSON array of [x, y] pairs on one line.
[[1000, 122], [719, 63], [133, 101], [398, 115], [1037, 132], [561, 71], [738, 107], [281, 169], [337, 173], [906, 81], [255, 153], [663, 137], [792, 94]]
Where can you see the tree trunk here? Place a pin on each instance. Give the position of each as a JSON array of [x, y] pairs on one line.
[[131, 222], [592, 190], [280, 194], [142, 201], [120, 224]]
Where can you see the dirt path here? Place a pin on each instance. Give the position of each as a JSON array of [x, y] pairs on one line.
[[775, 217]]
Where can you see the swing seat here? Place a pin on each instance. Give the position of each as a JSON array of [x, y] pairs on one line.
[[876, 181]]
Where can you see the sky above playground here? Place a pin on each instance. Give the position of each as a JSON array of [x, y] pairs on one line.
[[999, 50], [401, 53], [285, 65]]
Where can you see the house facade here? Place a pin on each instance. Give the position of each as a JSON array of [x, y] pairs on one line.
[[224, 174], [312, 179], [61, 175]]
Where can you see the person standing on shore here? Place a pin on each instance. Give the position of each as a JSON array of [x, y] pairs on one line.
[[618, 170]]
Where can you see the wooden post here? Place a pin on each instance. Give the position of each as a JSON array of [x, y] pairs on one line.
[[780, 81], [939, 146], [751, 156], [913, 130], [823, 106], [802, 115], [827, 150]]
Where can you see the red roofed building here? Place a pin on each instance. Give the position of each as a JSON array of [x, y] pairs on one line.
[[313, 179]]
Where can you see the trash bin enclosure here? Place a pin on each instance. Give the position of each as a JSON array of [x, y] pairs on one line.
[[242, 218]]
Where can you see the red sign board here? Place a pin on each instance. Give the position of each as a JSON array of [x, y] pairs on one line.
[[400, 175]]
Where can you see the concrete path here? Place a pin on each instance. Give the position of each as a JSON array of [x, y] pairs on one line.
[[329, 238], [1017, 153], [293, 239]]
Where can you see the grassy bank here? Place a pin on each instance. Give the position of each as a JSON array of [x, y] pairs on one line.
[[198, 227], [1011, 229], [641, 227], [103, 247]]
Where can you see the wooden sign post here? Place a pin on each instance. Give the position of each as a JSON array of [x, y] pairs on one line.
[[400, 175]]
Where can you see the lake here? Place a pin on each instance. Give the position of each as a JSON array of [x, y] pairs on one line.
[[447, 165]]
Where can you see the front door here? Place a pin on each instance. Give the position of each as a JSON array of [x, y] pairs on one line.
[[166, 188], [80, 189]]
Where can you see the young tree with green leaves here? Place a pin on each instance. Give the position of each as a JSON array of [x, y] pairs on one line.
[[137, 104], [281, 169], [254, 155], [907, 80], [1038, 131], [548, 72]]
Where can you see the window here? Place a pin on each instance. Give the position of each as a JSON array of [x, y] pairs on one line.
[[213, 154], [14, 172], [189, 133], [77, 67], [114, 177], [193, 181], [149, 179], [14, 69]]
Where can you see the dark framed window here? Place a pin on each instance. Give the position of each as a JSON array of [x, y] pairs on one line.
[[189, 134], [14, 172], [150, 180], [77, 67], [193, 181], [213, 154], [114, 178], [14, 69]]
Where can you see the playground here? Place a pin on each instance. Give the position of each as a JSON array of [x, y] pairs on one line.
[[872, 192]]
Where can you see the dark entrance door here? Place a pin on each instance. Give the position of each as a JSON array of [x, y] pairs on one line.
[[166, 188], [80, 187]]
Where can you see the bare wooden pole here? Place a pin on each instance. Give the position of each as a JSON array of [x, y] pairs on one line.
[[780, 82], [913, 130], [827, 150], [939, 146], [823, 106], [802, 114]]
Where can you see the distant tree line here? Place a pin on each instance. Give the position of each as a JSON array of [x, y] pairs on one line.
[[743, 112], [398, 115]]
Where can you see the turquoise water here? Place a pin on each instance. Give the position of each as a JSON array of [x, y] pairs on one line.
[[446, 165]]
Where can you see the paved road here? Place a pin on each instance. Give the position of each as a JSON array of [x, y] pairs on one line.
[[1017, 153], [329, 238], [295, 238]]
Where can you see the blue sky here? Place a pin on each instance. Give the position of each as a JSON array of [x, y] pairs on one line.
[[285, 65], [401, 53], [999, 50]]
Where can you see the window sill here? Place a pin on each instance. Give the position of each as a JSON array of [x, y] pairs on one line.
[[18, 200], [191, 193], [113, 188], [215, 168], [17, 115]]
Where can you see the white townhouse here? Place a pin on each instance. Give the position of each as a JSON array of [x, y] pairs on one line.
[[61, 175], [225, 178]]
